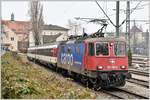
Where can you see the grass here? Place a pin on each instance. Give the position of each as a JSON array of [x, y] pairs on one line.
[[22, 79]]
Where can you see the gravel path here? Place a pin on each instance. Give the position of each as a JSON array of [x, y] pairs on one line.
[[136, 89]]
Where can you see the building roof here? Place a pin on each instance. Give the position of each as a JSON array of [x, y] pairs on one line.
[[19, 27], [135, 29], [54, 27]]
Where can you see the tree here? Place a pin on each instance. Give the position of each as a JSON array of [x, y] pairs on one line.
[[36, 18]]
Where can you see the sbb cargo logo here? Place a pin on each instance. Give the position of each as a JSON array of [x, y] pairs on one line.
[[67, 58]]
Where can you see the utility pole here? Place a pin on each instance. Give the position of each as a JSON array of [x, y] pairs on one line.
[[128, 23], [134, 40], [117, 18]]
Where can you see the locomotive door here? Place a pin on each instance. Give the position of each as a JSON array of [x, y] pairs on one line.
[[90, 52]]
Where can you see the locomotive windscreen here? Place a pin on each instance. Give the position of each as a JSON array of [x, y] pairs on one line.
[[102, 49], [119, 48]]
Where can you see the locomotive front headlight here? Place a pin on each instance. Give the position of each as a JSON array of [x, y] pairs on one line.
[[123, 67], [100, 67]]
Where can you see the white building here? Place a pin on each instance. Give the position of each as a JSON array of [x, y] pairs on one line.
[[9, 39], [50, 33]]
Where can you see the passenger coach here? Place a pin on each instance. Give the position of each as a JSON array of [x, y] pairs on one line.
[[44, 54]]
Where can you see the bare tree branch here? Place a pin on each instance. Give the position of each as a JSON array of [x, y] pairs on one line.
[[36, 18]]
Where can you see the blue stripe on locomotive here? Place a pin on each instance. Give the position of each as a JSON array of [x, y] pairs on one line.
[[74, 56]]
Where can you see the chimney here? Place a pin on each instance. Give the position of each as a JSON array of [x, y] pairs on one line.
[[12, 17]]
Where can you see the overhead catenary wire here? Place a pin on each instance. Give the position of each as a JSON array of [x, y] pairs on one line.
[[123, 20], [130, 13], [131, 10], [105, 14]]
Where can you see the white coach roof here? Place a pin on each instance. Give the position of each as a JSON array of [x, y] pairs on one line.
[[43, 47]]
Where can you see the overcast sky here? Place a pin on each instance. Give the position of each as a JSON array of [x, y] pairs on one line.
[[58, 13]]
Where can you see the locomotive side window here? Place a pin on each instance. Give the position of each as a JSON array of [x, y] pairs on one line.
[[102, 49], [120, 48], [91, 49]]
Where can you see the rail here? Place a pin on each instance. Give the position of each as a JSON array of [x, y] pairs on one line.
[[141, 60], [139, 82], [124, 94], [139, 73]]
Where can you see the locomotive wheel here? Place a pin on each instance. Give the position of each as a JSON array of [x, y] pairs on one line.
[[76, 77], [93, 81], [96, 87], [122, 83], [64, 72], [84, 80], [96, 84]]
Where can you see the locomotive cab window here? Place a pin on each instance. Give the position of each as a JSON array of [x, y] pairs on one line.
[[102, 49], [120, 48]]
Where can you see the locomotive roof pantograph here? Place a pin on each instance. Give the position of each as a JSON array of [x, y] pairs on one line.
[[99, 33]]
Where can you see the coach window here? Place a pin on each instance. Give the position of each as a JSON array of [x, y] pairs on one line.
[[37, 51], [91, 49], [46, 52], [55, 52], [51, 52], [33, 51], [102, 49]]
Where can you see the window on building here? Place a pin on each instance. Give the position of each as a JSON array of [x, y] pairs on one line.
[[12, 38]]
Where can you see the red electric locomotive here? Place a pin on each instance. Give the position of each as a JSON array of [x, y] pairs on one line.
[[98, 62], [106, 62]]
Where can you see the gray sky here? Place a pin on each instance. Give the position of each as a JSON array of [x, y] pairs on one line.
[[58, 13]]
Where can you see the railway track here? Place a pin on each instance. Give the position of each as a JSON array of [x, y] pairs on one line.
[[141, 60], [139, 73], [123, 94], [139, 82]]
